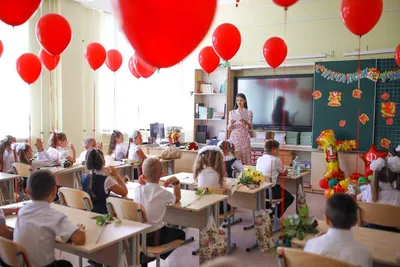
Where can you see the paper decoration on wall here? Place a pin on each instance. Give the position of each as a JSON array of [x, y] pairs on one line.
[[372, 74], [389, 121], [385, 143], [388, 109], [317, 94], [342, 123], [346, 145], [363, 118], [357, 93], [385, 96], [334, 99]]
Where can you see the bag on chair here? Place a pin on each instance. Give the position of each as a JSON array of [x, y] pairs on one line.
[[170, 152], [263, 230], [212, 242]]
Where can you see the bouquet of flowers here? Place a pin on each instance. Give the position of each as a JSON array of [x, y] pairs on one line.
[[173, 136], [251, 178], [192, 146]]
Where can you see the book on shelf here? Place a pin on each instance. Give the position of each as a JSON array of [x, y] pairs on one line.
[[205, 112], [206, 88], [218, 115], [197, 111]]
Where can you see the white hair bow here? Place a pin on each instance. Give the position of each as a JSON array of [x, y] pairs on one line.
[[378, 164], [210, 148], [393, 163], [20, 146]]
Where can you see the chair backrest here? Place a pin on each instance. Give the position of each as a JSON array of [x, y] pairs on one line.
[[9, 252], [378, 213], [22, 169], [215, 190], [298, 258], [125, 209], [75, 198]]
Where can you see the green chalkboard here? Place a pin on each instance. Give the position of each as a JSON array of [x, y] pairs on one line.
[[339, 76]]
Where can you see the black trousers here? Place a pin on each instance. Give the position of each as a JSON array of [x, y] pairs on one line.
[[160, 237], [276, 194], [60, 263], [221, 207]]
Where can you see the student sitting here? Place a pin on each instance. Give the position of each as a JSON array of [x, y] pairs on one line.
[[58, 149], [231, 163], [135, 152], [88, 143], [38, 224], [116, 149], [4, 232], [270, 165], [338, 243], [155, 200], [208, 170], [7, 154], [101, 181]]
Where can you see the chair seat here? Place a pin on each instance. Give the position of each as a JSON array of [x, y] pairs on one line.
[[158, 250], [229, 214], [276, 200]]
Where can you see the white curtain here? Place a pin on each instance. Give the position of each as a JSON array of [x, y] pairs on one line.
[[138, 102], [14, 92]]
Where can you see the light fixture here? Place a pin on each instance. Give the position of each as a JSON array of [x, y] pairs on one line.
[[369, 52], [322, 55], [247, 67]]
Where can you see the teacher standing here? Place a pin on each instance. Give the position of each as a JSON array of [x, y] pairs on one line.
[[240, 125]]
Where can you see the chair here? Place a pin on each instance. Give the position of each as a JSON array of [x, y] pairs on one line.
[[21, 169], [10, 253], [75, 198], [378, 213], [129, 210], [289, 257]]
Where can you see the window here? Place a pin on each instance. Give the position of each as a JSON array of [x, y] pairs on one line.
[[15, 93], [139, 102]]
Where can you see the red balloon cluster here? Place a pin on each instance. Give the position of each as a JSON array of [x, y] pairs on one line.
[[113, 60], [360, 16], [132, 68], [226, 40], [29, 67], [175, 27], [208, 59], [17, 12], [1, 48], [275, 51], [95, 55], [285, 3], [50, 62], [142, 68], [396, 55]]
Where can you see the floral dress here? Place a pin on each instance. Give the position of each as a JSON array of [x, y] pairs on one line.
[[240, 134]]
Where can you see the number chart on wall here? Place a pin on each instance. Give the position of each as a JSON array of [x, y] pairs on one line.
[[342, 105]]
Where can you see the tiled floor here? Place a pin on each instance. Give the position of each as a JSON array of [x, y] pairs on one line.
[[182, 257]]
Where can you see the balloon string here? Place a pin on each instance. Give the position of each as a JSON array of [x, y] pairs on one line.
[[115, 117], [358, 114], [30, 128], [285, 22], [94, 104], [51, 104]]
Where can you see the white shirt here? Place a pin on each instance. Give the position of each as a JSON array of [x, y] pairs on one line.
[[388, 194], [8, 160], [237, 165], [133, 149], [208, 177], [36, 230], [340, 244], [270, 166], [154, 199], [53, 154], [119, 152], [82, 156]]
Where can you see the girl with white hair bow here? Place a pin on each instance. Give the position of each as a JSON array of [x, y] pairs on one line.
[[135, 151]]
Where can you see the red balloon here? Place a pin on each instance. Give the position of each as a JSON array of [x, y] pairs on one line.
[[1, 48], [95, 55], [275, 51], [132, 68], [17, 12], [208, 59], [226, 40], [396, 55], [50, 62], [338, 188], [175, 27], [53, 33], [29, 67], [113, 60], [144, 69], [371, 155], [360, 16], [285, 3], [323, 183]]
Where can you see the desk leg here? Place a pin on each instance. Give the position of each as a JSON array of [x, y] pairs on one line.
[[134, 251], [11, 190], [119, 254], [230, 245], [259, 206]]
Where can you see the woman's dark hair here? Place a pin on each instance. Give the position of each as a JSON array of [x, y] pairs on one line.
[[279, 113], [55, 137], [113, 141], [94, 161], [241, 96]]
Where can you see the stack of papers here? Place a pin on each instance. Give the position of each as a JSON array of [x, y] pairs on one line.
[[306, 139], [292, 138], [280, 137]]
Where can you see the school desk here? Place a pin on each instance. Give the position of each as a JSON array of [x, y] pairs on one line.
[[11, 179], [193, 210], [168, 164], [124, 168], [383, 245], [185, 179], [114, 235], [63, 177]]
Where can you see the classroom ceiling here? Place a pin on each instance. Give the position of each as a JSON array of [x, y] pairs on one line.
[[105, 5]]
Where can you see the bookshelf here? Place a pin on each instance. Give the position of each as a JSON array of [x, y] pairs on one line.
[[212, 102]]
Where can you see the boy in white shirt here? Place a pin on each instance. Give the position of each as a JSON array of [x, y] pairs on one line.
[[88, 143], [38, 224], [270, 165], [154, 200], [338, 243]]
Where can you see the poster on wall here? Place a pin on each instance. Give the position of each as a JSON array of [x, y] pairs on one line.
[[343, 107]]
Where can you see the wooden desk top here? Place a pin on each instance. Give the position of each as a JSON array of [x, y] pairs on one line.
[[59, 169], [183, 177], [383, 245], [7, 176], [302, 174], [244, 189], [113, 232], [189, 200], [159, 157]]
